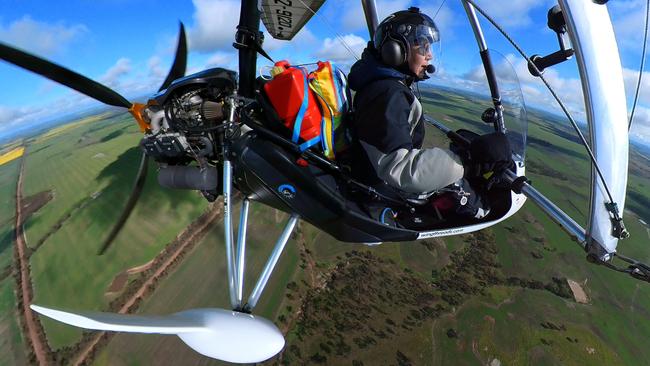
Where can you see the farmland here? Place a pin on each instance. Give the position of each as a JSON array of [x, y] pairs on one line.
[[11, 155], [12, 346], [89, 168]]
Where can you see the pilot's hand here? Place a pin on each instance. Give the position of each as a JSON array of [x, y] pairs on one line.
[[488, 154]]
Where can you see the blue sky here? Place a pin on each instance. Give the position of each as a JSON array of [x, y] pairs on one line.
[[129, 45]]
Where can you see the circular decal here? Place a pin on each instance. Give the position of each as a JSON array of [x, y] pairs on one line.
[[287, 190]]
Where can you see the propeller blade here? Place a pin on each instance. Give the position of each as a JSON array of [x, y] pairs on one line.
[[180, 60], [130, 204], [63, 76], [221, 334]]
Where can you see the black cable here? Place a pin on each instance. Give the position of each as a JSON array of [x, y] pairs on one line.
[[548, 86], [437, 11], [638, 83]]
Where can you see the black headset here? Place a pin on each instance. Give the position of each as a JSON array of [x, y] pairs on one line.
[[394, 48]]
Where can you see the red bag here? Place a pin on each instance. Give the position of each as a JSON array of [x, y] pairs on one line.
[[295, 103]]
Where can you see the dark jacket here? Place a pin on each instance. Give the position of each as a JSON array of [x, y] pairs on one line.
[[388, 129]]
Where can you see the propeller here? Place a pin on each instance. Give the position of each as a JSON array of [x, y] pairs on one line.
[[130, 204], [105, 95], [177, 71], [217, 333], [63, 76], [180, 60]]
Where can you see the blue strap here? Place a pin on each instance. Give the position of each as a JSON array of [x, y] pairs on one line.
[[303, 108], [382, 218], [322, 129], [324, 119], [336, 80], [306, 145]]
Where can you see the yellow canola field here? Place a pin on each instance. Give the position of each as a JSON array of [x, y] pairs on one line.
[[11, 155]]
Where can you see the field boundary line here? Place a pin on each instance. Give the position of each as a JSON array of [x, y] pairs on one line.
[[31, 324]]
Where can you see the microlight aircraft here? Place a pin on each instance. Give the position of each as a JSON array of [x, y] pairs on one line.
[[210, 132]]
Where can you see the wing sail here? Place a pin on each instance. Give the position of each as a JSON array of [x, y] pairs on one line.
[[285, 18], [592, 36]]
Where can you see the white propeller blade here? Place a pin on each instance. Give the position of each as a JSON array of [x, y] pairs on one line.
[[217, 333]]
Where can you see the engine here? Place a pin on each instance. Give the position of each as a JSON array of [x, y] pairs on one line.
[[185, 116], [185, 122]]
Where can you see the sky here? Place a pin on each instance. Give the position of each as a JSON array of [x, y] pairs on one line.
[[129, 46]]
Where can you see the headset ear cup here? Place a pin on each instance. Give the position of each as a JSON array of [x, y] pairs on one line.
[[392, 53]]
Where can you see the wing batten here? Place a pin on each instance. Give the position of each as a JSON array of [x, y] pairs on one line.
[[285, 18]]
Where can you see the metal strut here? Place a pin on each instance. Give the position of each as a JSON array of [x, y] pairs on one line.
[[241, 252], [227, 211], [235, 257], [270, 263], [636, 269], [499, 122], [227, 223]]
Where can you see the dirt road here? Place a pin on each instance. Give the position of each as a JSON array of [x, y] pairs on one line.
[[34, 328]]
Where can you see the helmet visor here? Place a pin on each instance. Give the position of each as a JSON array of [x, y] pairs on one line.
[[423, 39]]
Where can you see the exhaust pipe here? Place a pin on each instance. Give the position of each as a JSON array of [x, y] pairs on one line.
[[189, 177]]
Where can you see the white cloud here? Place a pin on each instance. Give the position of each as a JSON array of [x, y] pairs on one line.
[[114, 73], [304, 39], [335, 50], [155, 68], [534, 91], [353, 18], [445, 20], [272, 44], [641, 125], [23, 118], [220, 59], [516, 13], [628, 18], [40, 37], [631, 78], [215, 22], [7, 115]]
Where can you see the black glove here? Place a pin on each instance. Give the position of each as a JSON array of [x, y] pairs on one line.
[[488, 154]]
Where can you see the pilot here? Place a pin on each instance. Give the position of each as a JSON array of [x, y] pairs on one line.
[[388, 127]]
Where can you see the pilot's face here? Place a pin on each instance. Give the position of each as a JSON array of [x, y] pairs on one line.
[[419, 58]]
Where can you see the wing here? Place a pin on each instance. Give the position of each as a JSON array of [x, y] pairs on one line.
[[285, 18]]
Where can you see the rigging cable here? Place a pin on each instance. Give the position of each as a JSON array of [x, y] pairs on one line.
[[557, 98], [440, 7], [340, 38], [638, 83]]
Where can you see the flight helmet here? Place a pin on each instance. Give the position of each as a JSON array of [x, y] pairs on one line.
[[403, 31]]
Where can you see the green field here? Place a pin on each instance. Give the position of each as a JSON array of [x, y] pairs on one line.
[[12, 346], [8, 179], [201, 281], [90, 167]]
